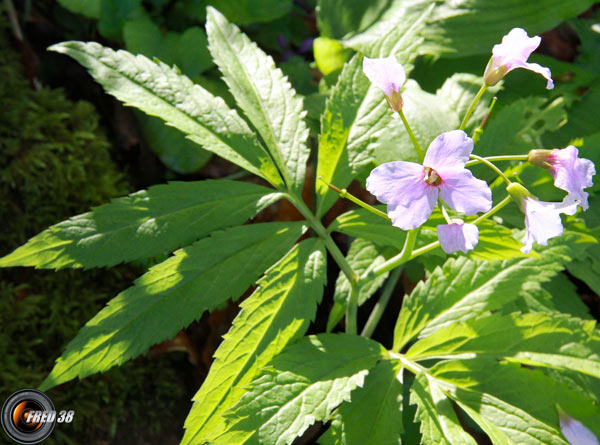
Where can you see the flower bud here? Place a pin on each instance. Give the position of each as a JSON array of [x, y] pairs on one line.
[[518, 193], [493, 73], [395, 101], [541, 158]]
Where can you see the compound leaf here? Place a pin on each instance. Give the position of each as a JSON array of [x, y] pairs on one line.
[[303, 385], [463, 288], [264, 94], [143, 224], [161, 91], [374, 414], [172, 294], [277, 313]]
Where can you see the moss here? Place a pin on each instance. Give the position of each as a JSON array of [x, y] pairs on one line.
[[54, 163]]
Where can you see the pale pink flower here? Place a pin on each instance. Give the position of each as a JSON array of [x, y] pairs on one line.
[[575, 431], [542, 219], [513, 52], [411, 190], [458, 235], [571, 173], [387, 74]]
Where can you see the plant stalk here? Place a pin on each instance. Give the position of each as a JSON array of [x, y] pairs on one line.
[[465, 120]]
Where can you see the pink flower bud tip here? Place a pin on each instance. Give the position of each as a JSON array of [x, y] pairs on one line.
[[387, 74]]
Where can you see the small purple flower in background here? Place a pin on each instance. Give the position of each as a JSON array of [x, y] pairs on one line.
[[458, 235], [571, 173], [411, 190], [542, 219], [387, 74], [513, 52], [575, 431]]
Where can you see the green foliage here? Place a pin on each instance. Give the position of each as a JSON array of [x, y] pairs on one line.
[[467, 27], [375, 414], [479, 325], [264, 95], [302, 385], [143, 224], [157, 90], [463, 289], [55, 161], [173, 294], [277, 314]]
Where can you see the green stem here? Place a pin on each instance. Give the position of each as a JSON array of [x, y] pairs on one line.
[[479, 130], [344, 194], [352, 310], [493, 210], [499, 158], [332, 247], [415, 143], [493, 167], [379, 308], [463, 124], [392, 263]]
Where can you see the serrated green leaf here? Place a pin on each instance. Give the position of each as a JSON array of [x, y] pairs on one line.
[[143, 224], [264, 94], [172, 295], [161, 91], [439, 424], [511, 414], [302, 385], [276, 314], [465, 27], [535, 339], [463, 288], [374, 414], [393, 33], [557, 295], [496, 242], [362, 256]]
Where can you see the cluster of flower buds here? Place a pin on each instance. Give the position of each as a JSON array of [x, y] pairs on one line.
[[412, 190]]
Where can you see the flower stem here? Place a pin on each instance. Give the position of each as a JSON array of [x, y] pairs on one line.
[[352, 310], [379, 308], [415, 143], [344, 194], [479, 130], [493, 210], [493, 167], [465, 120], [392, 263], [499, 158], [332, 247]]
